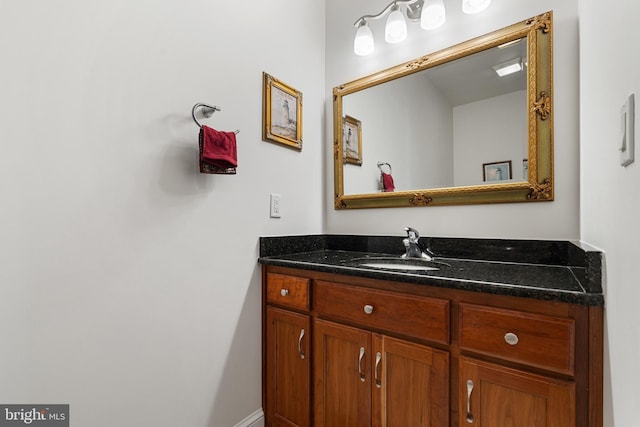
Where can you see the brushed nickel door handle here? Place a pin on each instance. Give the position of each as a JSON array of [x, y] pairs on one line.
[[469, 416], [300, 351], [362, 376], [378, 359]]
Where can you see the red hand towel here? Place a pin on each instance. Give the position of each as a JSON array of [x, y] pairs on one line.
[[387, 182], [218, 148]]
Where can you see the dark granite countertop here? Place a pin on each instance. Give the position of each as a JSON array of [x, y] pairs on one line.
[[549, 270]]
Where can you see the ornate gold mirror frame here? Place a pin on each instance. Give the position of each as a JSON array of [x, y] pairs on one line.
[[538, 187]]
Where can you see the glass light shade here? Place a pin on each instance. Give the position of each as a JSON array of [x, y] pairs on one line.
[[395, 30], [363, 43], [475, 6], [433, 14]]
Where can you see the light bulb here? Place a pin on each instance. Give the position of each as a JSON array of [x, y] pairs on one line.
[[363, 43], [433, 14], [475, 6], [395, 30]]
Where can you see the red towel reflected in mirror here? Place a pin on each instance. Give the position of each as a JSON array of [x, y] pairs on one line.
[[387, 182]]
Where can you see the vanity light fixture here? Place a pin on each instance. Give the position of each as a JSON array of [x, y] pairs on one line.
[[509, 67], [363, 43], [474, 6], [433, 15], [395, 30], [430, 13]]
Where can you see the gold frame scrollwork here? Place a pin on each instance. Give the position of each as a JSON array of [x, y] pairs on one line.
[[542, 106], [420, 199], [538, 31], [541, 191]]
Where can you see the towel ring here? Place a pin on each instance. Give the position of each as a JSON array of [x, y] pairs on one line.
[[207, 111]]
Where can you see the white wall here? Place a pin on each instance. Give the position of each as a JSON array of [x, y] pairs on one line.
[[431, 158], [129, 282], [610, 199], [488, 131], [514, 220]]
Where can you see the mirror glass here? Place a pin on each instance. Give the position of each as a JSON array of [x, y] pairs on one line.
[[435, 128], [446, 128]]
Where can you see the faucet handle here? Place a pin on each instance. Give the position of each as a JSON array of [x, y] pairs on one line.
[[412, 234]]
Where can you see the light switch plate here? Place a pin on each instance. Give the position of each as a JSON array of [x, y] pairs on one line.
[[274, 209], [627, 117]]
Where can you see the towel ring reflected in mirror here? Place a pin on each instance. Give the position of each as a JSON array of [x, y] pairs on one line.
[[381, 166]]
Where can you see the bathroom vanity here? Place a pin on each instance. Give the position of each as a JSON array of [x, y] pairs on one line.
[[499, 333], [491, 333]]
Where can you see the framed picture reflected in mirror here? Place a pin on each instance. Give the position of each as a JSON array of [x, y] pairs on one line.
[[352, 140], [496, 171]]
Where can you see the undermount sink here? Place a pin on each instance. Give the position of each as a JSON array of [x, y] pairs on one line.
[[391, 266], [406, 264]]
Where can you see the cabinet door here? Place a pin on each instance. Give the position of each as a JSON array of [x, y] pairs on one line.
[[411, 384], [495, 396], [342, 375], [288, 369]]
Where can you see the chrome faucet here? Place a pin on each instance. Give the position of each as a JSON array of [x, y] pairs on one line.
[[412, 247]]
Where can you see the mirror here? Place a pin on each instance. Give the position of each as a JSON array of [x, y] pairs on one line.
[[446, 129]]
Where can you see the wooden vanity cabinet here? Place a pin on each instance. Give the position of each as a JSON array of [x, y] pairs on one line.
[[364, 379], [342, 375], [496, 396], [397, 381], [386, 354], [411, 384], [287, 367]]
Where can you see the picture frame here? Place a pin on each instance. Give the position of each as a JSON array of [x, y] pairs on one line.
[[496, 171], [352, 140], [281, 113]]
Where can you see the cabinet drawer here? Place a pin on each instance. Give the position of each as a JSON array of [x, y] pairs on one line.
[[415, 316], [537, 340], [289, 291]]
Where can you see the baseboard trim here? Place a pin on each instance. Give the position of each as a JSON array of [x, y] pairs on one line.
[[254, 420]]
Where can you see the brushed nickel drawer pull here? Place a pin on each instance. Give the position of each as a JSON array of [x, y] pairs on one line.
[[300, 344], [368, 309], [362, 377], [284, 292], [511, 338], [378, 359]]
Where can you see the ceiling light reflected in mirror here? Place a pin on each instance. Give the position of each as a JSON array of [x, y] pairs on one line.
[[508, 67]]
